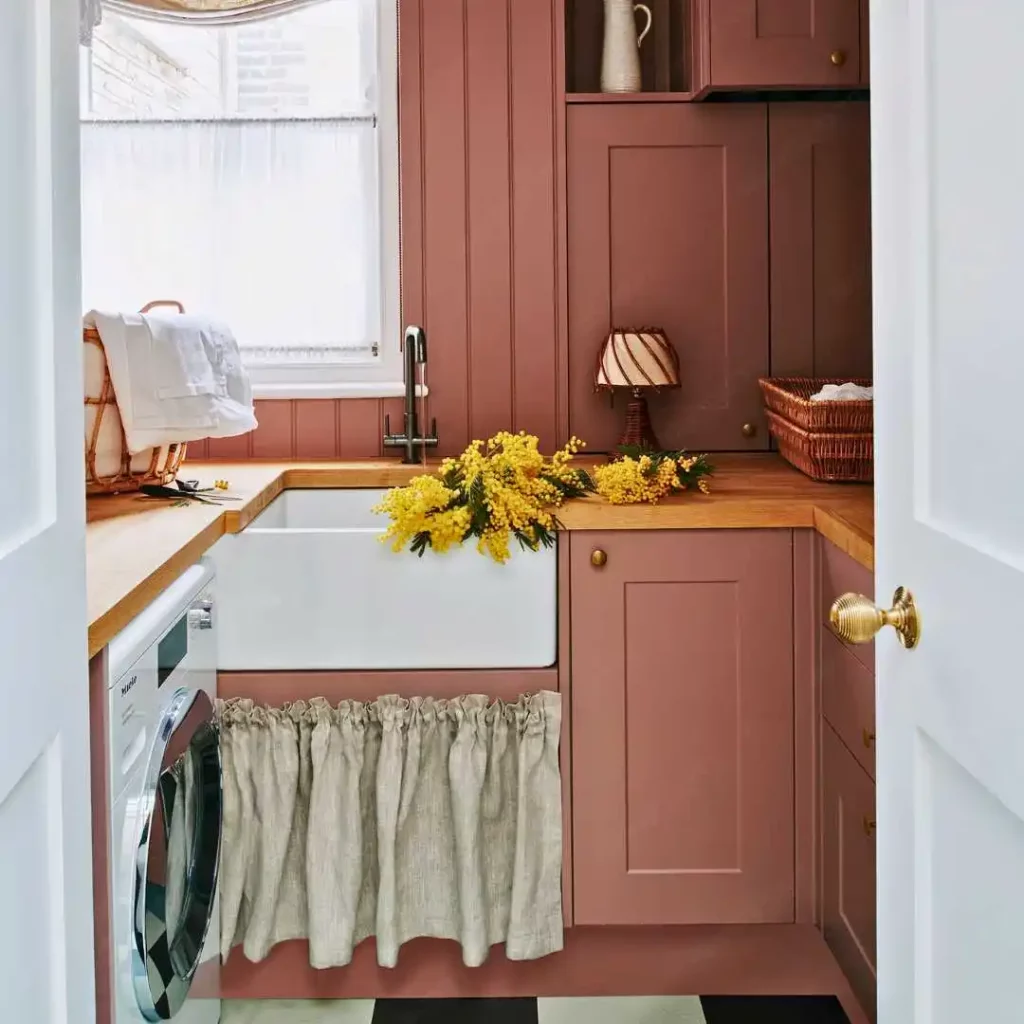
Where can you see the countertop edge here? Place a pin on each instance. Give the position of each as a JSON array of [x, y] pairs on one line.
[[826, 518]]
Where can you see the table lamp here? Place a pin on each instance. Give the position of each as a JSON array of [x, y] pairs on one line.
[[639, 359]]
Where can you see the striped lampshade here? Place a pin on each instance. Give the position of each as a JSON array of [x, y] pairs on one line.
[[640, 357]]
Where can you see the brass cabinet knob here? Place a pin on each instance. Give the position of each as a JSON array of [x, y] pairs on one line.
[[868, 737], [749, 429], [598, 558], [838, 58], [869, 825], [856, 619]]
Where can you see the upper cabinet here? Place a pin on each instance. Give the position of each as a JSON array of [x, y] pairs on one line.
[[783, 43], [697, 46], [668, 226], [820, 203]]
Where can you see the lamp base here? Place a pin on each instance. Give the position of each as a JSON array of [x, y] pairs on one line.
[[638, 432]]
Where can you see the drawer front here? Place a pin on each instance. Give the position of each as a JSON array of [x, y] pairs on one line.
[[848, 698], [849, 867], [841, 574]]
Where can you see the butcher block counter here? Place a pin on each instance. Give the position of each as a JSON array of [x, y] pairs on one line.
[[135, 546]]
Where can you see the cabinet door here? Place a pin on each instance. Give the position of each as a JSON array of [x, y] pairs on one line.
[[682, 705], [849, 866], [667, 225], [820, 239], [784, 43]]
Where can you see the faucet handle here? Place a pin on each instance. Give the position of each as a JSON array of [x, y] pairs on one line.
[[433, 428]]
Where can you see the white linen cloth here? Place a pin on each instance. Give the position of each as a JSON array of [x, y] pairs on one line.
[[848, 392], [176, 377], [398, 818]]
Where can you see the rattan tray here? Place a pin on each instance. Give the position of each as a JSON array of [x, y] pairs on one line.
[[790, 397], [838, 458]]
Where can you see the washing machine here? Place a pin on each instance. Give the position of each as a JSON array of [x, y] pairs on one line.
[[165, 805]]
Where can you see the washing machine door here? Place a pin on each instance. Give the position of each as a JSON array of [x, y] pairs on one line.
[[177, 854]]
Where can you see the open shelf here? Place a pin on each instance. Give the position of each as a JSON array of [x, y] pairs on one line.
[[629, 97], [665, 56]]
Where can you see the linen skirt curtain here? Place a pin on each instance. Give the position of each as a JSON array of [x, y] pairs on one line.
[[397, 818]]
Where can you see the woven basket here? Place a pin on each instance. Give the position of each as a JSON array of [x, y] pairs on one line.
[[790, 397], [109, 467], [838, 458]]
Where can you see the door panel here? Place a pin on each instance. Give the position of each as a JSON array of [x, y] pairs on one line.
[[948, 228], [46, 942], [785, 43], [682, 705], [667, 208], [820, 239]]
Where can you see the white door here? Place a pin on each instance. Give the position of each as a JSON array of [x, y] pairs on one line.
[[947, 93], [46, 965]]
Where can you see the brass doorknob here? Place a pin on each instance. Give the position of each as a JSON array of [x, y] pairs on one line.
[[749, 429], [598, 558], [838, 57], [856, 619]]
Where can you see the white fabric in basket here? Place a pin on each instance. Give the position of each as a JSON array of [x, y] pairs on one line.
[[398, 818]]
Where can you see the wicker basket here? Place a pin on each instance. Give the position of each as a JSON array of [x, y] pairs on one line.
[[847, 458], [790, 397], [109, 467]]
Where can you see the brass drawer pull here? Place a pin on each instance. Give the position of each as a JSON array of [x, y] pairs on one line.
[[868, 737], [838, 58], [598, 558], [869, 826]]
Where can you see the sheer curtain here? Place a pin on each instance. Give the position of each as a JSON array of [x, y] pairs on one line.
[[236, 169]]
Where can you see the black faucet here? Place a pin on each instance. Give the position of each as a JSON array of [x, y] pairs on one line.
[[414, 353]]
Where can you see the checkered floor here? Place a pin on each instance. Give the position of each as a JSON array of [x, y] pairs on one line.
[[633, 1010]]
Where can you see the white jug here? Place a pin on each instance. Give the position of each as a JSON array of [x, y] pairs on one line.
[[620, 58]]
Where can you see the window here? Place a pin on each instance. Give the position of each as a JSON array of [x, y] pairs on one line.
[[251, 172]]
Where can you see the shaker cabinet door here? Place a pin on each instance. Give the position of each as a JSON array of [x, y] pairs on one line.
[[784, 43], [820, 208], [848, 823], [668, 226], [682, 713]]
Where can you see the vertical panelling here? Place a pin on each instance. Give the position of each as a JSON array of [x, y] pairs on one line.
[[489, 216], [445, 214], [275, 438], [359, 428], [534, 222], [316, 428], [230, 448]]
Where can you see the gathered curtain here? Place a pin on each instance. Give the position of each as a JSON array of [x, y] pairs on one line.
[[204, 12], [398, 818]]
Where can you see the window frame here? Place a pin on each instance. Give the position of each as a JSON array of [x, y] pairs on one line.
[[323, 372]]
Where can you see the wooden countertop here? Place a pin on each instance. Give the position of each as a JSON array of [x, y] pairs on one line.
[[136, 546]]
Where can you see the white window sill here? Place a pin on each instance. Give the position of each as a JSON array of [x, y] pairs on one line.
[[332, 389]]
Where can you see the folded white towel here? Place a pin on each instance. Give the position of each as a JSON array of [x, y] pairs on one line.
[[848, 392], [176, 377]]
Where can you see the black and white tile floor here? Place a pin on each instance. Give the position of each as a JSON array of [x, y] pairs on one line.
[[631, 1010]]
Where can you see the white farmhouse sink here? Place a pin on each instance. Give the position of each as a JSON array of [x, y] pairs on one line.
[[309, 585]]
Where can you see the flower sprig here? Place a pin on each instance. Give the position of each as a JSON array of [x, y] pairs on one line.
[[642, 475], [495, 490]]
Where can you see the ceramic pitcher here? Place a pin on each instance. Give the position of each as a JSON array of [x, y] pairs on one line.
[[620, 57]]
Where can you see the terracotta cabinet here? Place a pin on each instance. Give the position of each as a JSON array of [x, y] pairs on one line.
[[682, 716], [848, 821], [784, 43], [820, 213], [847, 785], [667, 225]]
